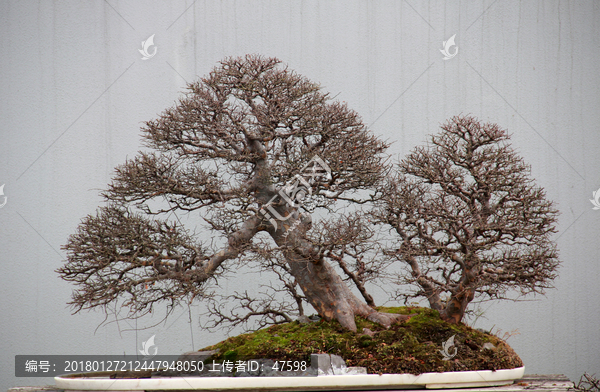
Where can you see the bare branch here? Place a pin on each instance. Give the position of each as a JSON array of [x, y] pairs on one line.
[[224, 151], [117, 254], [470, 221], [250, 312]]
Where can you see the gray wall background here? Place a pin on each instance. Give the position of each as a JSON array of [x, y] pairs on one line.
[[74, 92]]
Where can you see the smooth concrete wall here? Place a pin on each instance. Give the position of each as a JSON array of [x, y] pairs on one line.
[[74, 92]]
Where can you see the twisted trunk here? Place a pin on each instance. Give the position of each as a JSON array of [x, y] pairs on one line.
[[330, 296], [455, 309], [323, 287]]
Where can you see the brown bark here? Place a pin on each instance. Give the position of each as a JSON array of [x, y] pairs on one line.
[[459, 300], [330, 296], [323, 287], [357, 282], [456, 306]]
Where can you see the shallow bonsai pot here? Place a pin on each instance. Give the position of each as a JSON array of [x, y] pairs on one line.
[[444, 380]]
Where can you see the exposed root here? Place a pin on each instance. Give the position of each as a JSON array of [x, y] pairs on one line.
[[387, 319], [346, 319]]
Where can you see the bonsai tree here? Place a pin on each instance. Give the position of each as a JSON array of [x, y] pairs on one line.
[[469, 220], [254, 149]]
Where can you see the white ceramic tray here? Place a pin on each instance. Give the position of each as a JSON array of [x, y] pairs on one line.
[[479, 378]]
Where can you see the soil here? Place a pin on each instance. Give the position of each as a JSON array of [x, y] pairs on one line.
[[415, 346]]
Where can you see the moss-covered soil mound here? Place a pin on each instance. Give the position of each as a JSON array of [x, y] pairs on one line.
[[411, 347]]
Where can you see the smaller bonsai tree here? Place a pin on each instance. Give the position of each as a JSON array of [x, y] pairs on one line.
[[469, 220]]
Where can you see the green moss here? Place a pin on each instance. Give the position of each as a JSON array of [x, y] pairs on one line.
[[410, 347]]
